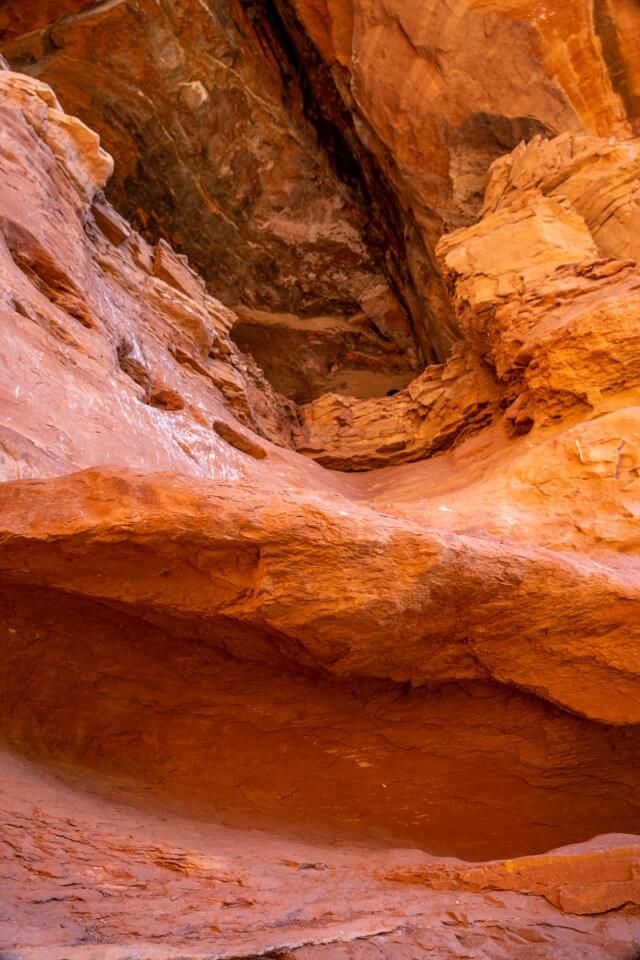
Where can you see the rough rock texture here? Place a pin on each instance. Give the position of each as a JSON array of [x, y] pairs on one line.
[[100, 877], [253, 707], [307, 154], [441, 88], [104, 312], [206, 119], [305, 358], [17, 17], [545, 284], [437, 410]]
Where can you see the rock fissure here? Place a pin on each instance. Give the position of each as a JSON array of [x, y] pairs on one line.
[[308, 649], [354, 163]]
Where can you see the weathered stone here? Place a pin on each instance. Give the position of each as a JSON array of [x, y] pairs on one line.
[[440, 89], [438, 410], [250, 706], [305, 358], [242, 186], [557, 321]]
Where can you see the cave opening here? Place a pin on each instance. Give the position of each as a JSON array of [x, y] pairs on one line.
[[381, 342]]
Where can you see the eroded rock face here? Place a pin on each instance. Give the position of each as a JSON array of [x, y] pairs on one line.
[[18, 18], [206, 119], [441, 89], [438, 410], [74, 277], [232, 885], [252, 706], [305, 154], [558, 317]]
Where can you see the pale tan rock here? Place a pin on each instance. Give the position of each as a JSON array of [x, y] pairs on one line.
[[439, 409], [496, 258], [556, 320], [600, 178], [72, 143]]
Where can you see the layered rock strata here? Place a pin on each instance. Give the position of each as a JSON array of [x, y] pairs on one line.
[[441, 89], [205, 116], [254, 707], [308, 155], [75, 277]]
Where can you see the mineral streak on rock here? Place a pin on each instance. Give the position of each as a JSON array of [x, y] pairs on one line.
[[319, 581]]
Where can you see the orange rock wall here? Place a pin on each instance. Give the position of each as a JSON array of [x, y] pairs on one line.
[[251, 706]]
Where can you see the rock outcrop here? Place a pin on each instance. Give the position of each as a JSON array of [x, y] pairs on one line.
[[75, 276], [440, 408], [335, 673], [308, 155], [206, 119], [440, 89]]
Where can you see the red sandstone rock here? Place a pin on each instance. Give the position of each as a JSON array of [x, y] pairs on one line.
[[353, 593], [100, 877], [70, 296], [215, 152], [556, 319], [439, 409], [251, 706], [441, 88]]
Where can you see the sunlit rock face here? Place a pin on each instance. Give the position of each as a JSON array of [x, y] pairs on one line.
[[311, 648], [440, 89]]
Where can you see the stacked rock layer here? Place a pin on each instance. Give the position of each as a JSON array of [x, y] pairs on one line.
[[320, 673]]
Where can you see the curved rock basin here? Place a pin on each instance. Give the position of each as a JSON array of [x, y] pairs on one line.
[[474, 770]]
